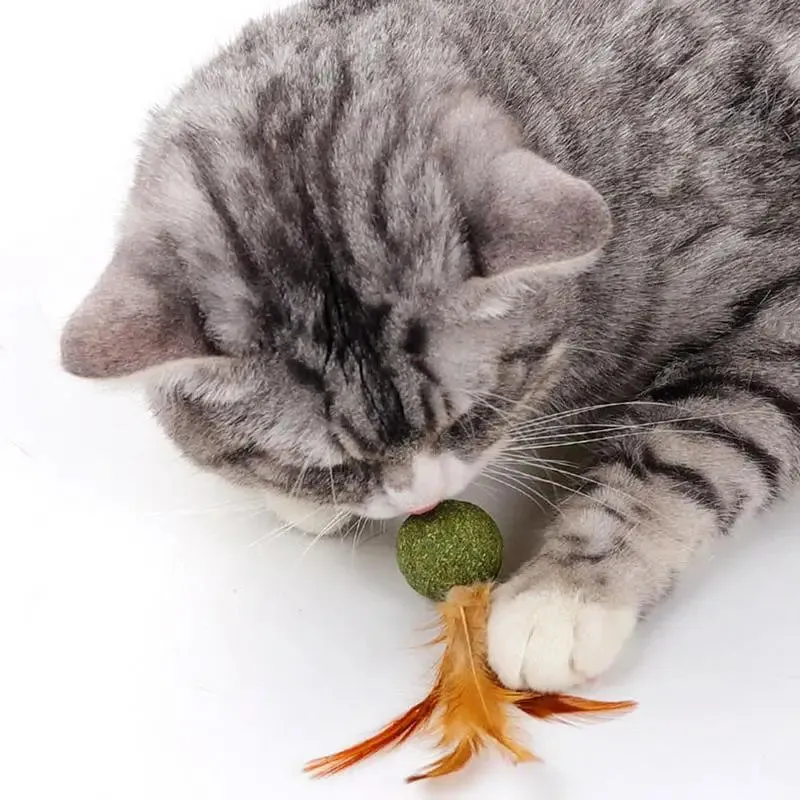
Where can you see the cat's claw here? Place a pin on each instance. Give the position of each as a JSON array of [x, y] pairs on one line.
[[551, 640]]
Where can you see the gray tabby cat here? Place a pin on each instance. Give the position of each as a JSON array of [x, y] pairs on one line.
[[372, 244]]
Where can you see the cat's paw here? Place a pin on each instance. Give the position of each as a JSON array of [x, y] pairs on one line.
[[551, 639]]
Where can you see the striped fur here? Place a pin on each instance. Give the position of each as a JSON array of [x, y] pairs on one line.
[[371, 239]]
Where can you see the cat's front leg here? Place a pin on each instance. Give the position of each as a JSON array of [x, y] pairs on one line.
[[565, 617], [658, 497]]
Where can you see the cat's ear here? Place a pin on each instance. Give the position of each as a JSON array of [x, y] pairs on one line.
[[527, 214], [530, 222], [527, 218], [128, 324]]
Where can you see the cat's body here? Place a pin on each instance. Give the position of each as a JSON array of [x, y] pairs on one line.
[[368, 249]]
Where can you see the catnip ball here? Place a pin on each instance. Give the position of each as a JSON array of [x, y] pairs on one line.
[[455, 544]]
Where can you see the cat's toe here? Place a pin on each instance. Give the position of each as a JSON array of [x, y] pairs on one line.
[[550, 640]]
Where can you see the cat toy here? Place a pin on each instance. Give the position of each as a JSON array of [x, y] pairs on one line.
[[451, 555]]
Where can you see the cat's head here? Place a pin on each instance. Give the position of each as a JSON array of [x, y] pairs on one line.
[[344, 301]]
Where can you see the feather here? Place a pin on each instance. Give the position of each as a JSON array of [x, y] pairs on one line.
[[472, 705], [395, 733], [467, 708], [547, 706]]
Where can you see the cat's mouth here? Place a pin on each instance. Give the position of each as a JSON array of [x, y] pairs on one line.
[[418, 512]]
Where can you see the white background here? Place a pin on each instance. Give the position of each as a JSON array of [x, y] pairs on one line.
[[159, 643]]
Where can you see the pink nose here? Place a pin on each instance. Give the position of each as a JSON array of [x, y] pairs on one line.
[[418, 512]]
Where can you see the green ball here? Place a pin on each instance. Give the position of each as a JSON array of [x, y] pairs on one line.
[[455, 544]]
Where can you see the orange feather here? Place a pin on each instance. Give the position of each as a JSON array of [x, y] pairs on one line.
[[472, 705], [546, 706], [393, 734], [467, 708]]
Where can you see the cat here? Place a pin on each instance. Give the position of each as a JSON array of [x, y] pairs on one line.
[[374, 246]]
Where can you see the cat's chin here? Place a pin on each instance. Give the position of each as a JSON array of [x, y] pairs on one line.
[[305, 516]]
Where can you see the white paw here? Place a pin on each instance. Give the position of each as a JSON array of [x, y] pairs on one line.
[[551, 640]]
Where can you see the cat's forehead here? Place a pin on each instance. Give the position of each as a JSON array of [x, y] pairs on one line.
[[314, 178]]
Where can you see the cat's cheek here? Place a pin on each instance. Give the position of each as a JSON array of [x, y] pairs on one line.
[[305, 516]]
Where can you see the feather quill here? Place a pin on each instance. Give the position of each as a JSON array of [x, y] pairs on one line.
[[467, 708]]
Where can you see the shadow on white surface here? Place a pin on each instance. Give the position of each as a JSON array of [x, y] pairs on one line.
[[160, 643]]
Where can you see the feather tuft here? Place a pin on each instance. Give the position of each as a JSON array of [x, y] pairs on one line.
[[467, 708], [472, 705]]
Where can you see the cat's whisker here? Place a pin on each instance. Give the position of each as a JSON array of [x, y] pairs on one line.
[[276, 533], [333, 487], [360, 527], [479, 397], [521, 476], [332, 524], [543, 420], [610, 425], [301, 477], [519, 486], [601, 484], [645, 362], [530, 458], [563, 426], [573, 428], [524, 447], [511, 487], [570, 490], [523, 434], [547, 445], [525, 460], [548, 441], [491, 491], [227, 507], [371, 532], [351, 531]]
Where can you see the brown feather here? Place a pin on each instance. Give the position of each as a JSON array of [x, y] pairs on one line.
[[467, 708], [394, 734], [546, 706], [473, 706]]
